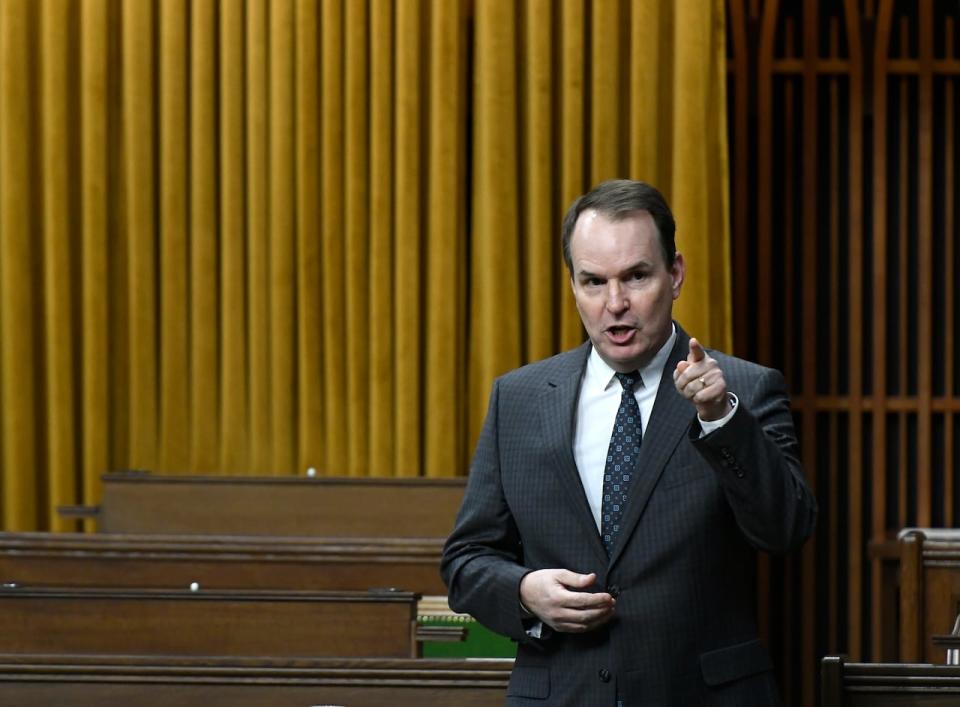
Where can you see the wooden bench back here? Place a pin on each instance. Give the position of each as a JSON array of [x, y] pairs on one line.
[[220, 562], [153, 622], [94, 681], [844, 684], [139, 502]]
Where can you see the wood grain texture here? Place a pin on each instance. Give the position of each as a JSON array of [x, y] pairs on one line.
[[844, 263]]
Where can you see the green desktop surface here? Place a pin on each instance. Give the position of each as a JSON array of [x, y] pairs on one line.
[[480, 642]]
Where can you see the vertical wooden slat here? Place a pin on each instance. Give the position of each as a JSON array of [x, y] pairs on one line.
[[949, 216], [737, 31], [904, 167], [855, 354], [924, 313], [790, 287], [764, 251], [879, 288], [833, 367], [792, 275], [809, 440], [765, 176], [911, 604]]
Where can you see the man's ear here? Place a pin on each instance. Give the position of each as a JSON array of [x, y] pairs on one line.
[[677, 272]]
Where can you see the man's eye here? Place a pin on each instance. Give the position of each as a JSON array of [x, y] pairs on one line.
[[595, 281], [638, 276]]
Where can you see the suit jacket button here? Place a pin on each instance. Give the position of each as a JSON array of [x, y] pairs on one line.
[[604, 675], [613, 590]]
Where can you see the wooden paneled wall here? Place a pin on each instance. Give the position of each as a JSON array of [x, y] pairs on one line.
[[845, 148]]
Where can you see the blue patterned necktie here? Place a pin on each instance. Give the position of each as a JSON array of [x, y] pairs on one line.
[[622, 458]]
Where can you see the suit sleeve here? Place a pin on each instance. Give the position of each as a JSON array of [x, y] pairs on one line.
[[482, 558], [756, 456]]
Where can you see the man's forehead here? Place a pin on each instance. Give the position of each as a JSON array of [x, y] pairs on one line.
[[593, 214], [626, 227]]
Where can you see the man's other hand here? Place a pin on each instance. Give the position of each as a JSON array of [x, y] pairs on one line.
[[557, 598]]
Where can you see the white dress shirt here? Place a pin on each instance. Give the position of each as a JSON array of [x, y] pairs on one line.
[[600, 394]]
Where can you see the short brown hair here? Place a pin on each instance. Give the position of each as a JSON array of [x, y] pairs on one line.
[[616, 199]]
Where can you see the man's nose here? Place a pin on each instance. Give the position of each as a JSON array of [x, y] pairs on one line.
[[616, 298]]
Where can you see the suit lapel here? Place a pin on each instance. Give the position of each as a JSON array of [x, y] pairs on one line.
[[668, 423], [558, 408]]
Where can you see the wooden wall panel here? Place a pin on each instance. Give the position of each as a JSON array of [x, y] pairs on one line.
[[844, 155]]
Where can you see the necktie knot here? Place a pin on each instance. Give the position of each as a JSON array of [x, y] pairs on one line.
[[629, 380]]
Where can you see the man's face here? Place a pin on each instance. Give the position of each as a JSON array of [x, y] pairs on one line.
[[623, 288]]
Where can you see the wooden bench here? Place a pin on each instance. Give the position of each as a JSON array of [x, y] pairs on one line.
[[94, 681], [142, 502], [845, 684], [929, 590], [207, 622], [220, 562]]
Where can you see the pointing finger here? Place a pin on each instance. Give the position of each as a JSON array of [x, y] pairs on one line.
[[696, 351]]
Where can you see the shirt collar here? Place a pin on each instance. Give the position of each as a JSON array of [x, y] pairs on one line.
[[599, 375]]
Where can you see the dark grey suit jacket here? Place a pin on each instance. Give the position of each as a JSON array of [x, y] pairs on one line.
[[684, 567]]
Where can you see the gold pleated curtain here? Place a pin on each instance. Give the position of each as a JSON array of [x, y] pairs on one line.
[[256, 237]]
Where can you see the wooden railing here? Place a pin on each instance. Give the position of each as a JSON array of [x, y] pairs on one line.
[[220, 562], [94, 681]]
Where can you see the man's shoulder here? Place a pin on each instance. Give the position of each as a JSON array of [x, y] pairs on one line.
[[558, 366]]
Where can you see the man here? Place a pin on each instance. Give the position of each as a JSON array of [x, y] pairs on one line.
[[624, 563]]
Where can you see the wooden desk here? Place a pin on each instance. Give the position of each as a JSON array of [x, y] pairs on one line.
[[141, 502], [929, 590], [207, 623], [885, 557], [85, 681], [845, 684], [220, 562]]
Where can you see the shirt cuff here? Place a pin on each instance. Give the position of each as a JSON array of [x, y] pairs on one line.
[[708, 426]]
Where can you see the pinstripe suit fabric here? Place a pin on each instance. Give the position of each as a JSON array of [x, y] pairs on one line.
[[683, 565]]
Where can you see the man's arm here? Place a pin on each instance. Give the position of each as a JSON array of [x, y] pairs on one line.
[[482, 562], [755, 452], [482, 558], [756, 457]]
